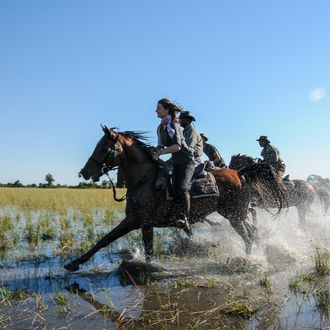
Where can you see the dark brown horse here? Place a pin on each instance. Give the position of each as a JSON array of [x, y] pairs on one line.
[[301, 194], [147, 207]]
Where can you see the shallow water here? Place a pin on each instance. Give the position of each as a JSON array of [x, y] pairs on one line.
[[209, 275]]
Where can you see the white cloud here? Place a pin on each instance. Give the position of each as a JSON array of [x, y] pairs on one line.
[[317, 94]]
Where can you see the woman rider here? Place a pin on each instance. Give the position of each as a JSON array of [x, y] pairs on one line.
[[171, 141]]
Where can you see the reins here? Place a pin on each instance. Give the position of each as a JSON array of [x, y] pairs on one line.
[[105, 170], [114, 190]]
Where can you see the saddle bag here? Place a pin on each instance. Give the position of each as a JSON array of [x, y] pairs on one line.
[[204, 186]]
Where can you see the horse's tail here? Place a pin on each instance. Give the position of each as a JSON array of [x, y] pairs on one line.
[[324, 198], [264, 182]]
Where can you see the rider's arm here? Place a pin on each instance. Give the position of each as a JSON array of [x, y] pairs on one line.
[[216, 155], [176, 137], [190, 137], [170, 150], [272, 156]]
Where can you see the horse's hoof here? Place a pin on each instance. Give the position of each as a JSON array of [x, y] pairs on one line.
[[71, 267], [184, 224], [189, 232]]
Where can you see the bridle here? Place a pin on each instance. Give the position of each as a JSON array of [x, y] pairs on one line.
[[111, 155]]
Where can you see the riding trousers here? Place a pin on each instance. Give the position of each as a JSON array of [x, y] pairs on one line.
[[182, 175]]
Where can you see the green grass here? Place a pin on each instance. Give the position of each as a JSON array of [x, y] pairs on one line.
[[323, 300], [322, 261], [72, 218], [294, 284], [5, 296], [8, 297], [60, 298], [240, 308], [60, 200], [186, 283], [266, 282], [6, 230], [32, 232]]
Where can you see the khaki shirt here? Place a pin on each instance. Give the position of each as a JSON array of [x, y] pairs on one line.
[[271, 156], [195, 142], [213, 154]]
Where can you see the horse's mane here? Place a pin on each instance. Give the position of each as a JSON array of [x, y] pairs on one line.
[[242, 156], [141, 139], [238, 161]]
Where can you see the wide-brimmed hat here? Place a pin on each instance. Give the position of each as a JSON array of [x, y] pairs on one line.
[[203, 137], [263, 138], [187, 114]]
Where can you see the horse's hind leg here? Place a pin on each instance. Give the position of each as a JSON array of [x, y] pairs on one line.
[[148, 237], [252, 227], [122, 229]]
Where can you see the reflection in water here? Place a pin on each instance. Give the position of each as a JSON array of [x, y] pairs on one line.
[[155, 307]]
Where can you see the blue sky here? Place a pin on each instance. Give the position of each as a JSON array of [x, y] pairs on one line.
[[244, 68]]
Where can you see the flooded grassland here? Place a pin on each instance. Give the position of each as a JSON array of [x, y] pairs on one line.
[[206, 283]]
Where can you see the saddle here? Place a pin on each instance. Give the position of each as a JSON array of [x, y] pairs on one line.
[[203, 183]]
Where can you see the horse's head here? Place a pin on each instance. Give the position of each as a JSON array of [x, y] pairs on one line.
[[239, 161], [106, 153]]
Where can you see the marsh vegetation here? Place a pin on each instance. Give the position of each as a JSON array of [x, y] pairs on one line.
[[201, 284]]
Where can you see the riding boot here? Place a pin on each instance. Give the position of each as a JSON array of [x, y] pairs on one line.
[[184, 208]]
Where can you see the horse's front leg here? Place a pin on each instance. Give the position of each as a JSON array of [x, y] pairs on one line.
[[243, 227], [125, 226], [253, 213], [148, 242]]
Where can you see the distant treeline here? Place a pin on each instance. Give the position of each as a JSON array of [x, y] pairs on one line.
[[80, 185], [50, 184], [313, 178]]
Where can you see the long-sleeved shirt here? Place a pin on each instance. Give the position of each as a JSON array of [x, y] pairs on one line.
[[194, 142], [271, 156], [172, 134], [213, 154]]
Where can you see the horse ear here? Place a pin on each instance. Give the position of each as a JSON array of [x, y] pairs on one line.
[[109, 132], [104, 129]]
